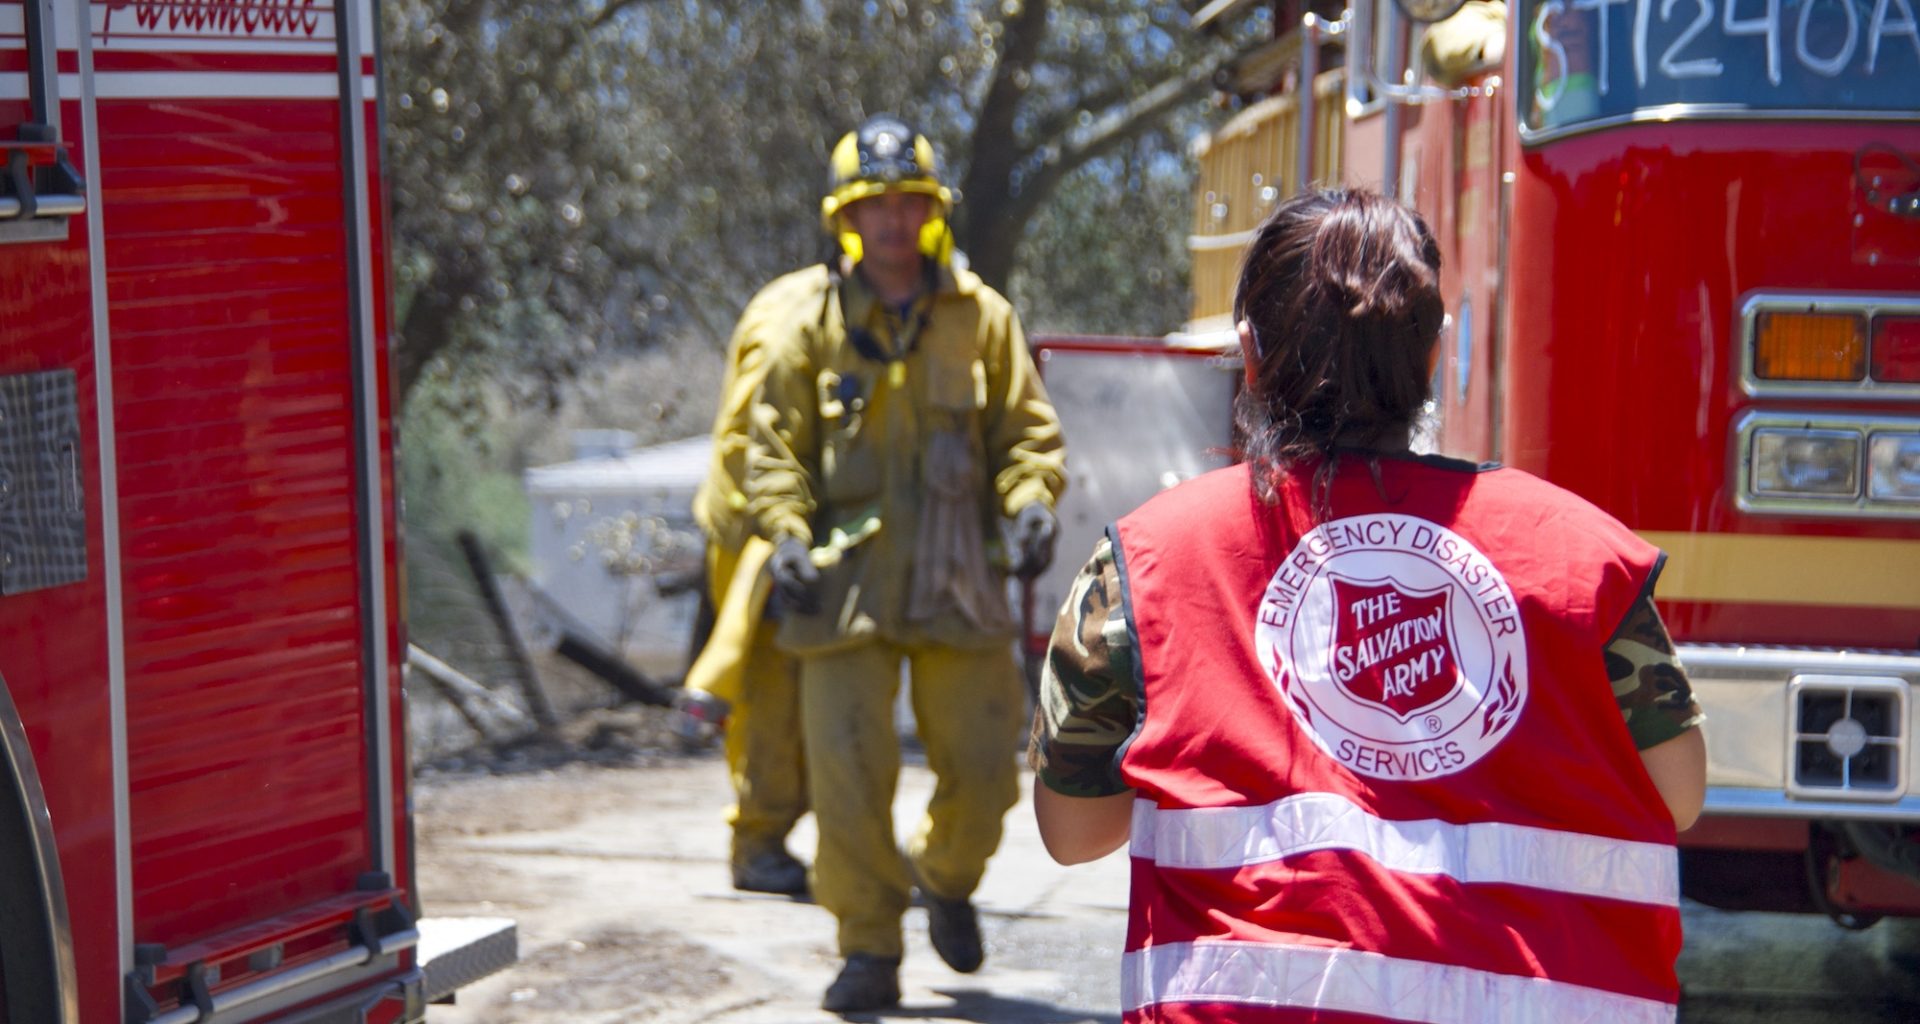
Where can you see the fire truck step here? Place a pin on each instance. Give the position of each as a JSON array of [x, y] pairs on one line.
[[456, 951]]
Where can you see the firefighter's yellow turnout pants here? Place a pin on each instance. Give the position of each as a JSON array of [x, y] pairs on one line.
[[741, 664], [968, 705]]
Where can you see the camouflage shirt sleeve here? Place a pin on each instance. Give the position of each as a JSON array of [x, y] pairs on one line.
[[1652, 689], [1089, 702]]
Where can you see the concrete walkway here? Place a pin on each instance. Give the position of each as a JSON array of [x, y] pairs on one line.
[[619, 882]]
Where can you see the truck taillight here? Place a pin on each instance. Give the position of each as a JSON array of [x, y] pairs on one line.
[[1896, 349], [1810, 346], [1830, 345], [1894, 461]]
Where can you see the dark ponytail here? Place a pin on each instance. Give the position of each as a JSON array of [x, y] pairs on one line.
[[1342, 292]]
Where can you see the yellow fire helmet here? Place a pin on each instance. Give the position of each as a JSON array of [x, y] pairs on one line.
[[885, 155]]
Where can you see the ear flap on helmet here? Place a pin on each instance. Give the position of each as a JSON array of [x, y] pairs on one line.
[[936, 240], [875, 159]]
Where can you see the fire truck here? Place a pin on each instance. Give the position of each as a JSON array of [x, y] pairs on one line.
[[204, 779], [1681, 245]]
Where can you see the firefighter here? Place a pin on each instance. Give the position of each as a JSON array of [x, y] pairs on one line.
[[741, 685], [1351, 705], [900, 424]]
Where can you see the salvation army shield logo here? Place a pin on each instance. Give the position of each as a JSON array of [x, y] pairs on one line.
[[1396, 644], [1393, 647]]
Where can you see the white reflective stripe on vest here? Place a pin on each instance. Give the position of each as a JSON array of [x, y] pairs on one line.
[[1356, 981], [1541, 858]]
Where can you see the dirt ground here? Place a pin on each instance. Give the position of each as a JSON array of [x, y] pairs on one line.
[[605, 842], [607, 845]]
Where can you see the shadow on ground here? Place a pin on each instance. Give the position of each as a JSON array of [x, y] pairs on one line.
[[984, 1007]]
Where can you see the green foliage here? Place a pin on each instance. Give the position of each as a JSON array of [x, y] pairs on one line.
[[1086, 268], [455, 476], [506, 176], [584, 193], [573, 179], [461, 466]]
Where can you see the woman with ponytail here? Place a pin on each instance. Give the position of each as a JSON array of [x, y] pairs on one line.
[[1389, 736]]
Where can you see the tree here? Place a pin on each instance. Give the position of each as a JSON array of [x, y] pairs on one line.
[[500, 188], [1084, 270], [571, 178], [1073, 82]]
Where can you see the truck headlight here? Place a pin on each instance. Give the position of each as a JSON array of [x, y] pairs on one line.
[[1806, 463], [1895, 462]]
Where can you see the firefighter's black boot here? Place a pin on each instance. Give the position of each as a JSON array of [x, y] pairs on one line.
[[954, 928], [774, 871], [952, 925], [866, 982]]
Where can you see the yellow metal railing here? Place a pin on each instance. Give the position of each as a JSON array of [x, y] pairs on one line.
[[1245, 167]]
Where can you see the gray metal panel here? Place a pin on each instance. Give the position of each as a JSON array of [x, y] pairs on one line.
[[352, 28], [1116, 461], [38, 229], [1756, 803], [43, 524], [108, 441], [43, 69], [1746, 692]]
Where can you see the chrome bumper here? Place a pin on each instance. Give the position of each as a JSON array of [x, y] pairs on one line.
[[1808, 732]]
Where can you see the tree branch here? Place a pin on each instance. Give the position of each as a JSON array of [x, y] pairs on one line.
[[1060, 122], [1108, 131], [612, 8], [1149, 106]]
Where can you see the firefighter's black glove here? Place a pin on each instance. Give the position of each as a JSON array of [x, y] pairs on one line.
[[795, 580], [1034, 529]]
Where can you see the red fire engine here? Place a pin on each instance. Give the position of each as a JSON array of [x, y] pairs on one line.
[[1682, 251], [204, 802]]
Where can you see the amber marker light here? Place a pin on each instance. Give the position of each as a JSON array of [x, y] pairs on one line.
[[1810, 346], [1896, 349]]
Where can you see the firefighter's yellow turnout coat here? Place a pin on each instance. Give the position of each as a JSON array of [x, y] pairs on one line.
[[739, 662], [896, 442]]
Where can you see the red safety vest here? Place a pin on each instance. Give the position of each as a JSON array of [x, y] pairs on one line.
[[1381, 774]]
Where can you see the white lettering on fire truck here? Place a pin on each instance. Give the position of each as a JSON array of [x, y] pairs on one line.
[[1826, 38]]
